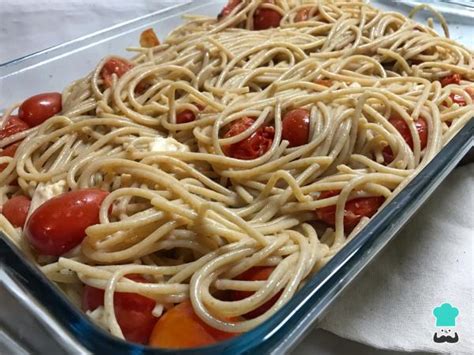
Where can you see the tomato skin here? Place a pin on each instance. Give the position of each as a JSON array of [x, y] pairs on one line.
[[354, 209], [13, 125], [59, 224], [181, 328], [264, 18], [185, 116], [8, 151], [451, 79], [37, 109], [231, 5], [302, 15], [16, 210], [324, 82], [256, 273], [252, 147], [114, 66], [402, 127], [295, 127], [133, 311], [149, 39]]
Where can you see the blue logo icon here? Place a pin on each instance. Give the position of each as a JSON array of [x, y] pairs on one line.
[[446, 320]]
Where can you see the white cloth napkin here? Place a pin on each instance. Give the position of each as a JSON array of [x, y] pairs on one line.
[[430, 263]]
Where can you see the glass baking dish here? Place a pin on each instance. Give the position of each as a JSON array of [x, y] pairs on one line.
[[53, 69]]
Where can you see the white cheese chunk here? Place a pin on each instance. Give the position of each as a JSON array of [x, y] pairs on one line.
[[162, 144], [45, 192]]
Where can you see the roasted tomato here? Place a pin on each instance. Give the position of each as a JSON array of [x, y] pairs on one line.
[[252, 147], [402, 127], [265, 18], [133, 311], [295, 127], [181, 328], [451, 79], [354, 209], [257, 273], [12, 126], [114, 66], [231, 5], [59, 224], [16, 210]]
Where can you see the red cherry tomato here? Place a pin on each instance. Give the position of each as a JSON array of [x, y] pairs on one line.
[[354, 209], [295, 127], [231, 5], [181, 328], [265, 18], [59, 224], [133, 311], [37, 109], [8, 151], [252, 147], [302, 15], [402, 127], [459, 99], [185, 116], [12, 126], [451, 79], [114, 66], [257, 273], [16, 210]]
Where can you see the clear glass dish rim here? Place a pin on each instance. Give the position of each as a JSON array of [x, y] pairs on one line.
[[284, 329]]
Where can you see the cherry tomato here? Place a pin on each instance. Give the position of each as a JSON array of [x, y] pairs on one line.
[[459, 99], [148, 39], [252, 147], [265, 18], [302, 15], [133, 311], [9, 151], [231, 5], [402, 127], [16, 210], [12, 126], [295, 127], [59, 224], [354, 209], [451, 79], [257, 273], [37, 109], [185, 116], [181, 328], [114, 66]]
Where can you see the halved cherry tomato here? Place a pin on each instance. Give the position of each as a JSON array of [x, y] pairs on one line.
[[451, 79], [265, 18], [114, 66], [37, 109], [257, 273], [59, 224], [148, 39], [9, 151], [12, 126], [302, 15], [295, 127], [16, 210], [231, 5], [252, 147], [181, 328], [133, 311], [354, 209], [402, 127]]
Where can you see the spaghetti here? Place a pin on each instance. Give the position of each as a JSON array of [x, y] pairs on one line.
[[233, 160]]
